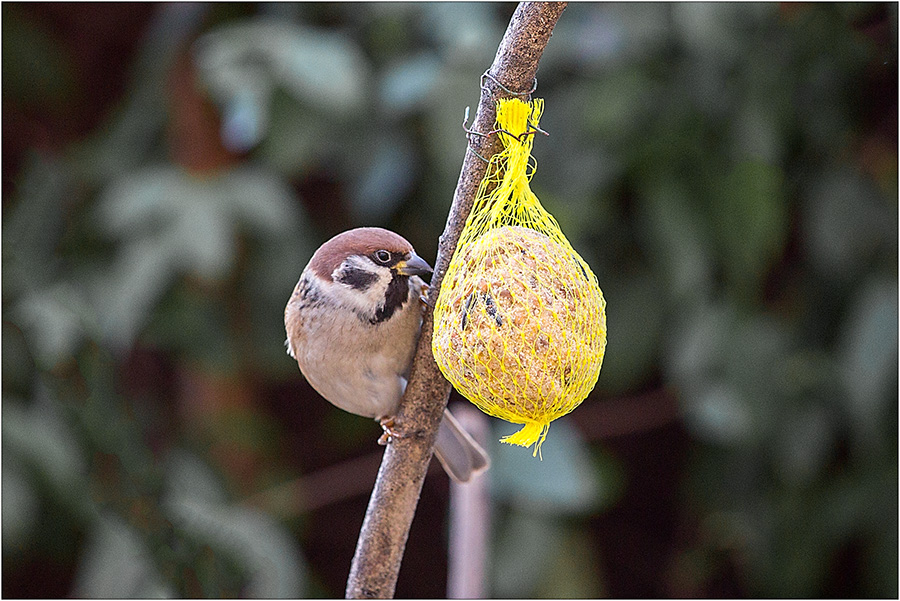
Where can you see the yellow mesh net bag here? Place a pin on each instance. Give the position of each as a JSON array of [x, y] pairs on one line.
[[520, 322]]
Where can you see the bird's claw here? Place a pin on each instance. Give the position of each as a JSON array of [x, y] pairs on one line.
[[390, 433], [423, 296]]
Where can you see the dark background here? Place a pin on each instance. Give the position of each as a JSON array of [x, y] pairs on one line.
[[728, 170]]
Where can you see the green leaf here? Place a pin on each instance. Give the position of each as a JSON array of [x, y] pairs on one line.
[[464, 31], [325, 68], [115, 564], [315, 65], [718, 413], [43, 444], [867, 354], [55, 320], [732, 373], [844, 222], [600, 37], [712, 30], [266, 552], [245, 117], [170, 223], [125, 295], [259, 201], [751, 221], [34, 224], [409, 84]]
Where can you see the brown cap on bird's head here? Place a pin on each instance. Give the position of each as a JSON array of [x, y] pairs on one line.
[[383, 246]]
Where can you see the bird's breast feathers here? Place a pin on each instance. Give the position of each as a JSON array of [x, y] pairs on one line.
[[354, 363]]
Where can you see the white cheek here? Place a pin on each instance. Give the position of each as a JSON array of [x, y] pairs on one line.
[[363, 301]]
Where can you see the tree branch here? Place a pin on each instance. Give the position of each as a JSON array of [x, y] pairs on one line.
[[382, 540]]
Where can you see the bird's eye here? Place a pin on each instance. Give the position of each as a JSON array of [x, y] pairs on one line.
[[383, 256]]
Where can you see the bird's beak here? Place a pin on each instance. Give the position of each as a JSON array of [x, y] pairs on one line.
[[416, 265]]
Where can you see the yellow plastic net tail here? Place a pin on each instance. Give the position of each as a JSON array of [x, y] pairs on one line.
[[520, 323]]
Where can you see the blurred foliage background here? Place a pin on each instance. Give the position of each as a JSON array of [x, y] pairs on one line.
[[729, 171]]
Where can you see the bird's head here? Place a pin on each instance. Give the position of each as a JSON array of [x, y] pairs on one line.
[[367, 270]]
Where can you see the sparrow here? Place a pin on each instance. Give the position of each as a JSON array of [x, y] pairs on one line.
[[352, 324]]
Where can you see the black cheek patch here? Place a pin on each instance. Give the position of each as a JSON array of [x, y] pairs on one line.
[[396, 294], [354, 277]]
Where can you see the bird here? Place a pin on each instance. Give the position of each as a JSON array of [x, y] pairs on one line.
[[352, 324]]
